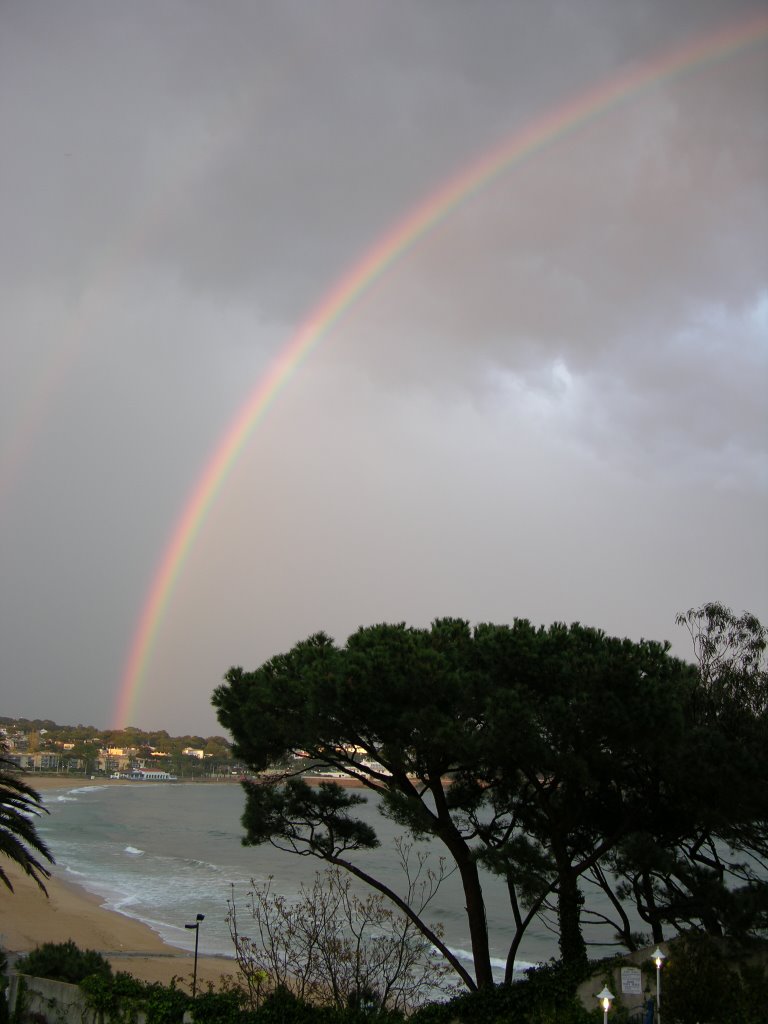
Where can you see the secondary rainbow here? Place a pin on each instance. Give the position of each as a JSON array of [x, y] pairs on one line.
[[559, 122]]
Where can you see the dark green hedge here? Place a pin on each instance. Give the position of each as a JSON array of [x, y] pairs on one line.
[[63, 961]]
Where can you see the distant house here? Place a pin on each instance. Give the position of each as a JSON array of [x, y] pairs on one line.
[[114, 759], [44, 761], [192, 752]]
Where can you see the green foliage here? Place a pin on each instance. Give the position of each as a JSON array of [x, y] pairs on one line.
[[165, 1004], [63, 961], [554, 740], [546, 996], [283, 813], [282, 1007], [223, 1007], [113, 998], [19, 841], [117, 999], [754, 992], [703, 980], [700, 857]]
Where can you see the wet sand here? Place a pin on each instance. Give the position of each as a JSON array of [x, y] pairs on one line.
[[28, 919]]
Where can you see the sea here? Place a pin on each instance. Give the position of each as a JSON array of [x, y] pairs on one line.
[[162, 853]]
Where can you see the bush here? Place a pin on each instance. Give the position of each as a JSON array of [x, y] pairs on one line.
[[223, 1007], [283, 1007], [116, 999], [547, 996], [110, 997], [164, 1004], [332, 947], [704, 981], [63, 961]]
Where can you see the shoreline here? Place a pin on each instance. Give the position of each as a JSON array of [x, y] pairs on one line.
[[28, 919]]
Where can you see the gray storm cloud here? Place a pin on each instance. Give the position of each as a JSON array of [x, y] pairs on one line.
[[551, 406]]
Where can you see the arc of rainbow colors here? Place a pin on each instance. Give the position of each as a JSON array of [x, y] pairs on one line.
[[559, 122]]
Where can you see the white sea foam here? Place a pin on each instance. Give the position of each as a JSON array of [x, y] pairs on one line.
[[121, 904], [161, 855], [498, 964], [69, 795]]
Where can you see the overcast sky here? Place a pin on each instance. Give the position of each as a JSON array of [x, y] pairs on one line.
[[552, 407]]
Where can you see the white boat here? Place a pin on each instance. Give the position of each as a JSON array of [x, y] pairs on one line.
[[151, 775]]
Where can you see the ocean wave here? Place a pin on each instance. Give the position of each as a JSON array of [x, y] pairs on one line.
[[497, 963], [125, 901], [191, 862], [69, 795], [192, 852], [172, 933]]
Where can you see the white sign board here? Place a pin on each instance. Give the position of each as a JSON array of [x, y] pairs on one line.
[[631, 981]]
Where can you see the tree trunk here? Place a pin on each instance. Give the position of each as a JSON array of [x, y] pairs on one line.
[[653, 918], [520, 926], [478, 924], [570, 899], [446, 830]]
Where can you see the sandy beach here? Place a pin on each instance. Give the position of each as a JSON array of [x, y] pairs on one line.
[[28, 918]]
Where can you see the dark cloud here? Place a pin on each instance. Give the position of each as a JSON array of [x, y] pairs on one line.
[[552, 405]]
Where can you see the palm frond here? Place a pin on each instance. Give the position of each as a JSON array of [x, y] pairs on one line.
[[19, 841]]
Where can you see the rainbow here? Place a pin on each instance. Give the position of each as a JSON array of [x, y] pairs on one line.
[[543, 132]]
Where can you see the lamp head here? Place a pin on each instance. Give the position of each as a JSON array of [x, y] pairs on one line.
[[201, 917], [658, 957], [606, 997]]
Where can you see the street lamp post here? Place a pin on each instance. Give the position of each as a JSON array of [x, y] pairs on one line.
[[606, 997], [196, 926], [658, 959]]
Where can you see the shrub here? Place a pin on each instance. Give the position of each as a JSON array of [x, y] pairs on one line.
[[223, 1007], [63, 961], [111, 997], [283, 1007], [546, 996], [164, 1004], [704, 981], [332, 947]]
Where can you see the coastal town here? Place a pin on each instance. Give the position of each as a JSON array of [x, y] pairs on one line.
[[42, 746]]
